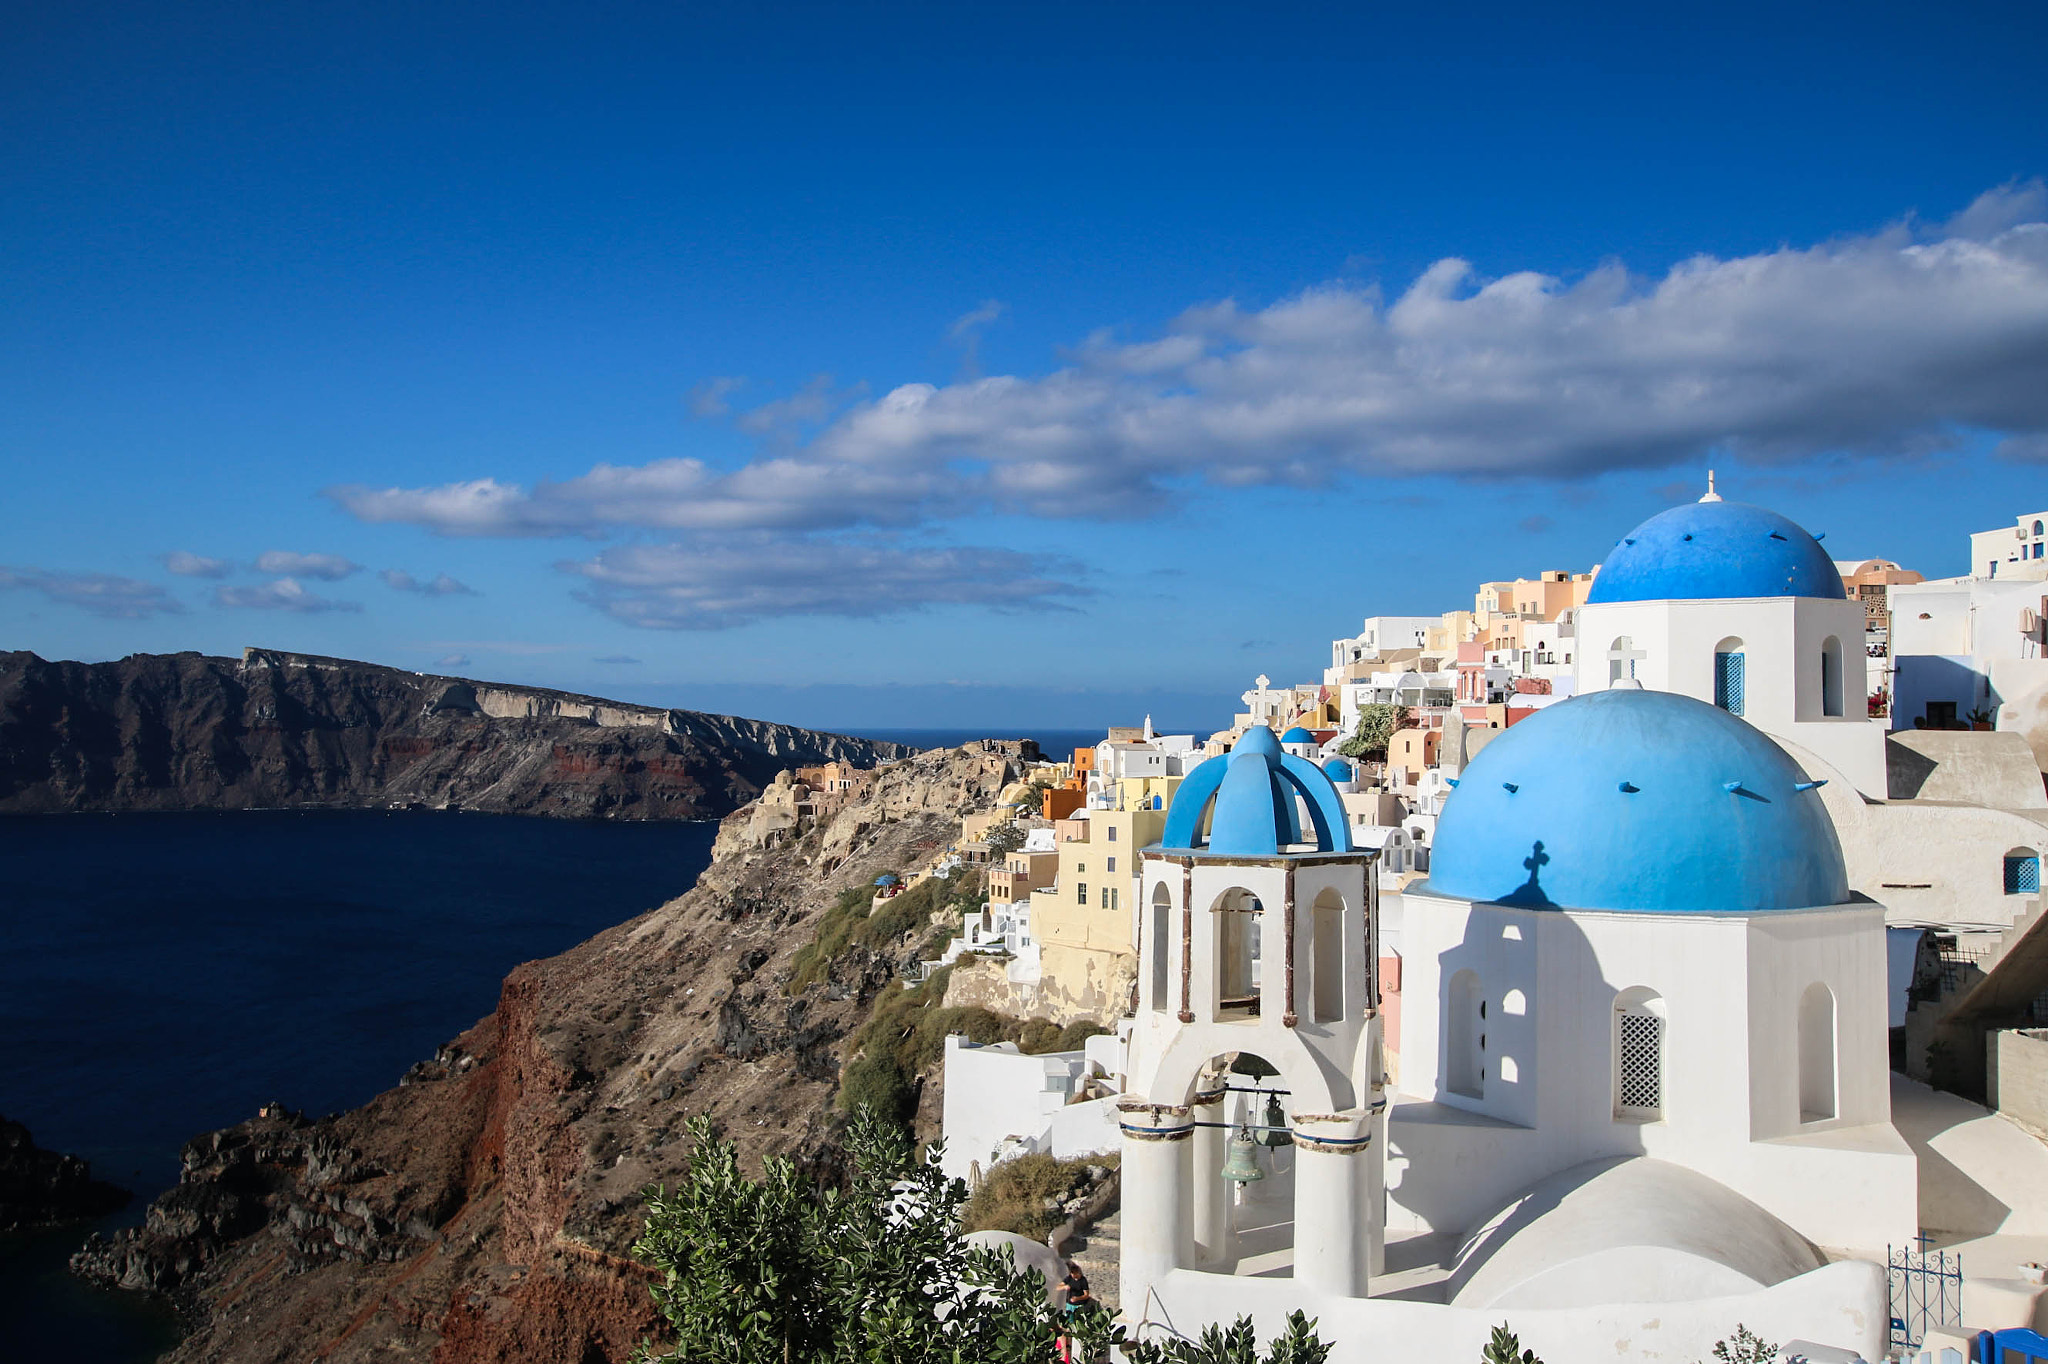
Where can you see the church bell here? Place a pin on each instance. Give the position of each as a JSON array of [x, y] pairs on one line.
[[1242, 1165], [1275, 1132]]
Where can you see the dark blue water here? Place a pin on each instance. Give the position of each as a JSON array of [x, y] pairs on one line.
[[162, 975]]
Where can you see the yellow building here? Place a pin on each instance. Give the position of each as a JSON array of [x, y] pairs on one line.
[[1082, 923]]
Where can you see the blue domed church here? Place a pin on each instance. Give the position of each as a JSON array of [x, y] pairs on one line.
[[1643, 1087], [1739, 607]]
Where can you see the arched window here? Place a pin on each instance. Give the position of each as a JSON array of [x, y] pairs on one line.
[[2022, 872], [1327, 960], [1237, 914], [1638, 1056], [1162, 945], [1816, 1054], [1728, 675], [2037, 528], [1621, 659], [1465, 1036], [1831, 676]]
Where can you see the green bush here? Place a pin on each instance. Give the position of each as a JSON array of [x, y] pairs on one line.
[[813, 961], [1038, 1035], [1075, 1035], [876, 1082], [1377, 723], [1015, 1193]]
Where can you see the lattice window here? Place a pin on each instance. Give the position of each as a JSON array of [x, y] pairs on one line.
[[1728, 682], [1641, 1047], [2022, 875]]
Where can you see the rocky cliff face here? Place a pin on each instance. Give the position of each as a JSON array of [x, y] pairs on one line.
[[483, 1210], [185, 731]]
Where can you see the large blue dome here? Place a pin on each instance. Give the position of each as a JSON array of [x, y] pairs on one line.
[[1711, 550], [1637, 800]]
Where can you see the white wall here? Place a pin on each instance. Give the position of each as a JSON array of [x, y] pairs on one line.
[[1843, 1305], [1729, 986], [995, 1095]]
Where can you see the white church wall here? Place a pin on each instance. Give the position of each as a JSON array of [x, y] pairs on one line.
[[1844, 1305], [997, 1097], [1548, 1098]]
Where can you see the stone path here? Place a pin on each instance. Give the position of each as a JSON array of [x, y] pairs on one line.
[[1100, 1253]]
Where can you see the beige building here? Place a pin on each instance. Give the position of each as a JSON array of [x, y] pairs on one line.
[[1082, 922]]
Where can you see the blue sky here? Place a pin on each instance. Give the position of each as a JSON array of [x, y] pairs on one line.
[[878, 365]]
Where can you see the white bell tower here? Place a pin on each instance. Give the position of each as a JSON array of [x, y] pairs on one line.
[[1259, 938]]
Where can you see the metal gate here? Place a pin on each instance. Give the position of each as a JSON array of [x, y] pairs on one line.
[[1926, 1290]]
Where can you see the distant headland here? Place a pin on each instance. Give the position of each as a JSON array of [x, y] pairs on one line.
[[277, 730]]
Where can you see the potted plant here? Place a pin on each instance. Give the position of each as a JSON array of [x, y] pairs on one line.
[[1980, 720]]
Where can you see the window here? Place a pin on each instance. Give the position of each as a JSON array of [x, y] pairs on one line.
[[1237, 915], [1831, 676], [1162, 952], [1816, 1054], [1112, 838], [1638, 1056], [1728, 676], [1111, 866], [2037, 528], [2022, 872], [1465, 1037], [1081, 893]]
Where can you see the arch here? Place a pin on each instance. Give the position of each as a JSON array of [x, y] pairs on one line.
[[1162, 946], [1235, 917], [1638, 1040], [1465, 1035], [1729, 679], [1514, 1002], [1621, 659], [1831, 676], [1817, 1099], [2022, 871], [2037, 527], [1326, 960]]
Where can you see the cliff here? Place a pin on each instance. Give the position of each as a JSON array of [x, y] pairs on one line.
[[483, 1210], [186, 731]]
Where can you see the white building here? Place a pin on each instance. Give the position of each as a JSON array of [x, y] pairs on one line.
[[2020, 551], [1377, 637], [1643, 1057], [1001, 1103]]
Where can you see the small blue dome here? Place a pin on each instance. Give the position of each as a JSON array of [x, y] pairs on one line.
[[1637, 800], [1336, 769], [1713, 550], [1252, 790], [1297, 735]]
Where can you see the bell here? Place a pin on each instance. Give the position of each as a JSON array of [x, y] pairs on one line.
[[1242, 1165], [1275, 1132]]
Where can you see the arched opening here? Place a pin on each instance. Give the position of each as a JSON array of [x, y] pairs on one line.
[[1816, 1054], [2022, 871], [1237, 914], [1638, 1055], [1621, 659], [1162, 949], [1728, 675], [1327, 959], [1465, 1036], [1831, 676]]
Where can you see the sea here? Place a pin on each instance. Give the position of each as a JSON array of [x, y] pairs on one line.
[[162, 975]]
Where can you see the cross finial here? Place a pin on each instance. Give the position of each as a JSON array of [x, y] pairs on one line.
[[1711, 496]]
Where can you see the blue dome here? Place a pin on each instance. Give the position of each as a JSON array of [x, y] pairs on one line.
[[1336, 769], [1297, 735], [1712, 550], [1637, 800], [1252, 790]]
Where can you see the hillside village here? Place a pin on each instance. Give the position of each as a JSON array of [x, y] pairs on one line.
[[1636, 952]]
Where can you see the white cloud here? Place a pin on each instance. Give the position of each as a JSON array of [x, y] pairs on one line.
[[452, 661], [102, 594], [194, 565], [285, 594], [326, 567], [1887, 343], [717, 586], [440, 586]]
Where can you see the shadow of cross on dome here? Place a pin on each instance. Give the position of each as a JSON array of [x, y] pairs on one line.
[[1529, 895]]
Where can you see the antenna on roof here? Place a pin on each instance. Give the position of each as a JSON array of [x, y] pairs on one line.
[[1711, 496]]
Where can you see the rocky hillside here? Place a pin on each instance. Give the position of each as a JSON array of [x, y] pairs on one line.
[[186, 732], [483, 1209], [38, 1187]]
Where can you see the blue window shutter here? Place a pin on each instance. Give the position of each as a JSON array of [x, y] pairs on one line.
[[1728, 680]]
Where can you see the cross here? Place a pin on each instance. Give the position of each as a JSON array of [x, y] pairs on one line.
[[1535, 861], [1623, 651]]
